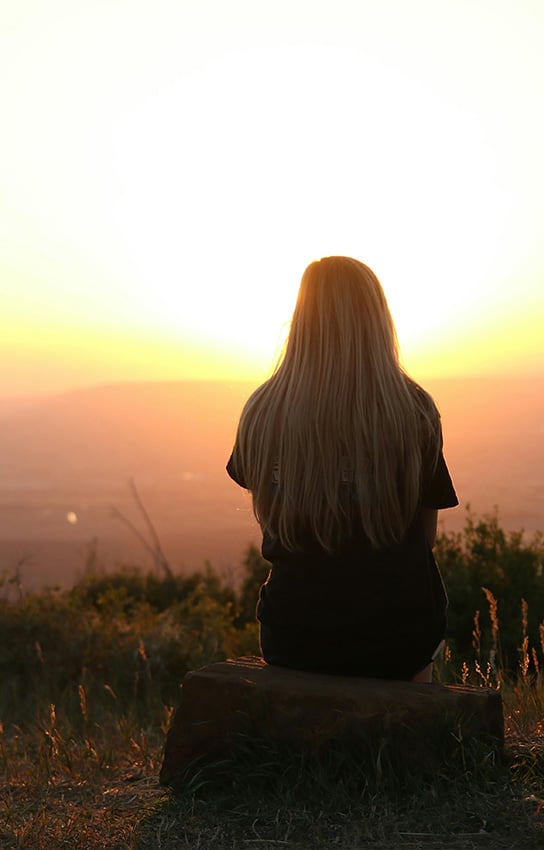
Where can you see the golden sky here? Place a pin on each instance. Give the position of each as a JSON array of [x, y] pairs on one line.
[[168, 169]]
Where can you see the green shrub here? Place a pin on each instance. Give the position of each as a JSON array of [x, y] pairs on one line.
[[127, 637], [485, 563]]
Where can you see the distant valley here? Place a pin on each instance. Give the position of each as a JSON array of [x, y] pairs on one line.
[[65, 464]]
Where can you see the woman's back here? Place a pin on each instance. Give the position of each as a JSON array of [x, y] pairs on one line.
[[341, 451], [338, 410]]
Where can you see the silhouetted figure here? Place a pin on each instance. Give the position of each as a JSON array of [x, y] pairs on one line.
[[342, 453]]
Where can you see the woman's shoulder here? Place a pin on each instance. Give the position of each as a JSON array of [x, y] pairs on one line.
[[258, 395], [430, 426], [420, 394]]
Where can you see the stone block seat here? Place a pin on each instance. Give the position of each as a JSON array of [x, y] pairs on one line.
[[222, 700]]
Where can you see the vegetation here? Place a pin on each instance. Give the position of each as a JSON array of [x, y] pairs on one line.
[[89, 678], [495, 584]]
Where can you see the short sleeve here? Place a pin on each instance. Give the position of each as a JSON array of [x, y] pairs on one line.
[[233, 472], [438, 489]]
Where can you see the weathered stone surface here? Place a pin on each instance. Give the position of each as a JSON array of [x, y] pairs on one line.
[[308, 709]]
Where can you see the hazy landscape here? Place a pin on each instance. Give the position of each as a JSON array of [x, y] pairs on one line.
[[66, 462]]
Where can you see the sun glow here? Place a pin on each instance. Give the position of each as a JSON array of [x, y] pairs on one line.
[[159, 207]]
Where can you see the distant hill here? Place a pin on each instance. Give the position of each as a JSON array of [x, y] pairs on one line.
[[120, 430], [65, 461], [72, 455]]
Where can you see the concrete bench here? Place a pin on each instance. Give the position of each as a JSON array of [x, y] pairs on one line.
[[309, 709]]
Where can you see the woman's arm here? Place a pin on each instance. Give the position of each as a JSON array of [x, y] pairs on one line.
[[430, 522]]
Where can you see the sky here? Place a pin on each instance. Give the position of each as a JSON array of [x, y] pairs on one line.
[[169, 168]]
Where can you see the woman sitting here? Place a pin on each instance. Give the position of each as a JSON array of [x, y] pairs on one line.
[[342, 454]]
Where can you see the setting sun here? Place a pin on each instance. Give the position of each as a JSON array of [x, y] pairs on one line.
[[160, 205]]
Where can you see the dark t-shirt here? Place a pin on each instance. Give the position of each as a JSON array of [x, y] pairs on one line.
[[361, 603]]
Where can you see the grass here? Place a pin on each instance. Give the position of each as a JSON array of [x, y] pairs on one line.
[[87, 688], [73, 783]]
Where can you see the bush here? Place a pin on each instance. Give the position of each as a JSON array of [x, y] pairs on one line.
[[485, 566], [126, 637]]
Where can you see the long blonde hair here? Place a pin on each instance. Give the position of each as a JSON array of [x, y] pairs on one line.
[[339, 425]]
